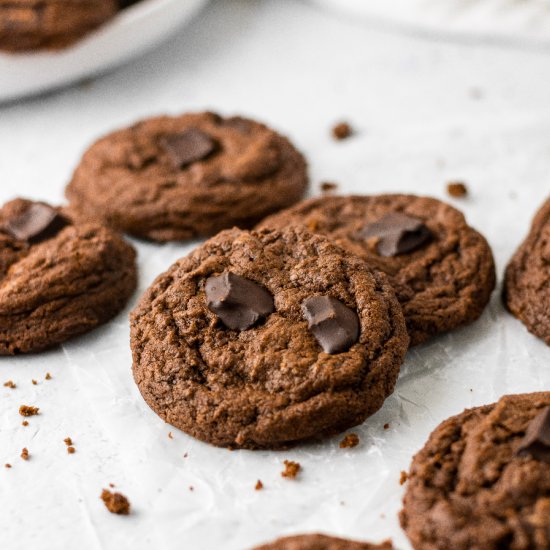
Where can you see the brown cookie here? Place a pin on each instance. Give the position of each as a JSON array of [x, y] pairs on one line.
[[526, 281], [174, 178], [57, 279], [482, 481], [228, 347], [442, 270], [50, 24], [322, 542]]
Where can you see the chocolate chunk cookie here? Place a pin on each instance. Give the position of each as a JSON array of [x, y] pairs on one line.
[[225, 348], [441, 269], [321, 542], [482, 482], [182, 177], [527, 278], [50, 24], [57, 279]]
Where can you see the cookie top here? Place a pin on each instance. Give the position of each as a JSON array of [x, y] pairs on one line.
[[482, 481], [50, 24], [229, 344], [321, 542], [441, 269], [57, 279], [174, 178], [526, 291]]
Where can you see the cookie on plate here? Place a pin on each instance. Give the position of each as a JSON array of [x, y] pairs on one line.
[[321, 542], [442, 270], [260, 339], [175, 178], [57, 279], [50, 24], [482, 481], [526, 291]]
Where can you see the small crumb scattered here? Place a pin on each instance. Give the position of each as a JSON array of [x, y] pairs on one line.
[[191, 488], [71, 450], [25, 453], [170, 436], [291, 469], [403, 478], [27, 410], [342, 130], [111, 485], [25, 423], [259, 485], [386, 426], [116, 503], [457, 189], [328, 186], [48, 376], [7, 465], [10, 384], [185, 455], [349, 441], [68, 441], [34, 382]]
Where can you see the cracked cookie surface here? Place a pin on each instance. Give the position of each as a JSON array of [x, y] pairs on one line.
[[321, 542]]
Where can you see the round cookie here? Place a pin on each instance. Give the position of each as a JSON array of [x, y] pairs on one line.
[[526, 291], [482, 481], [50, 24], [57, 280], [257, 340], [175, 178], [441, 269], [321, 542]]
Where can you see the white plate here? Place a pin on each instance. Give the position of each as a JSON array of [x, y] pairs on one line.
[[518, 21], [130, 33]]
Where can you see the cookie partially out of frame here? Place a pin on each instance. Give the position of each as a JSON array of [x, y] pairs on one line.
[[57, 279], [175, 178], [261, 339], [441, 269], [482, 481], [527, 278], [321, 542]]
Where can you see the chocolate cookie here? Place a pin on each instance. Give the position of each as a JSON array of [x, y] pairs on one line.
[[174, 178], [441, 269], [321, 542], [526, 281], [57, 279], [482, 482], [257, 340], [50, 24]]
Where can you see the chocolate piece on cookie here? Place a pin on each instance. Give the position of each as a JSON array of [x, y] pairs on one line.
[[442, 270], [321, 542], [526, 291], [237, 365], [50, 24], [58, 279], [483, 479], [175, 178]]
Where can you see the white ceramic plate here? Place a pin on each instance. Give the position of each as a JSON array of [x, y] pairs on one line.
[[134, 30], [518, 21]]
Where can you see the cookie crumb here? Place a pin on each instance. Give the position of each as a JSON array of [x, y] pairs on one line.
[[191, 488], [111, 485], [25, 453], [328, 186], [27, 410], [291, 469], [386, 426], [68, 441], [170, 436], [457, 189], [71, 450], [349, 441], [116, 503], [342, 130], [10, 384], [259, 485], [403, 478], [25, 423], [34, 382], [48, 376], [185, 455], [7, 465]]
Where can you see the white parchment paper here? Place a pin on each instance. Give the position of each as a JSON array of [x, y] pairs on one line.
[[425, 112]]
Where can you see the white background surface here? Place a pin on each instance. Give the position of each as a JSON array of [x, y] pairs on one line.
[[426, 112]]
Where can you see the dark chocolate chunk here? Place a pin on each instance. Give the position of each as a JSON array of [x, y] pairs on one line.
[[188, 147], [537, 438], [238, 302], [334, 325], [397, 233], [37, 223]]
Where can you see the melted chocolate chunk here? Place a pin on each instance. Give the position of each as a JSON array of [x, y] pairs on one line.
[[238, 302], [334, 325], [397, 233], [188, 147], [537, 438], [37, 223]]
